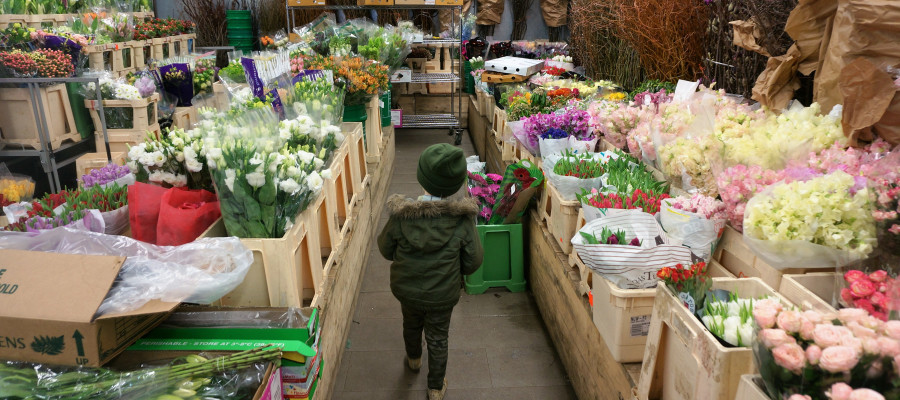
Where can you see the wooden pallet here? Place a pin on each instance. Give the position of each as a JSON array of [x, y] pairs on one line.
[[734, 254], [286, 272], [683, 360], [19, 126]]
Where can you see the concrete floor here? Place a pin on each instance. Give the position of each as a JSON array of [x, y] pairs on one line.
[[499, 347]]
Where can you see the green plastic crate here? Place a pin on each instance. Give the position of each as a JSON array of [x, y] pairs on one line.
[[504, 261]]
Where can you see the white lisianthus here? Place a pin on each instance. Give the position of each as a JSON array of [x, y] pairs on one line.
[[293, 172], [177, 141], [256, 179], [229, 179], [305, 157], [314, 182], [132, 165], [193, 165], [179, 156], [256, 160], [318, 163], [158, 158], [326, 174], [284, 134], [289, 186]]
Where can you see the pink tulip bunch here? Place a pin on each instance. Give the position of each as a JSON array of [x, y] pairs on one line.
[[803, 353]]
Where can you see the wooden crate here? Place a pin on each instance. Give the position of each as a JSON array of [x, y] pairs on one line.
[[751, 388], [734, 254], [117, 58], [144, 122], [333, 214], [220, 93], [185, 117], [285, 271], [19, 126], [499, 121], [140, 52], [812, 291], [355, 162], [91, 161], [560, 216], [683, 360], [623, 315], [170, 46], [120, 140], [373, 132]]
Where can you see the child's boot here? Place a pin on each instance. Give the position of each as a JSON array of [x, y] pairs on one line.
[[434, 394], [414, 364]]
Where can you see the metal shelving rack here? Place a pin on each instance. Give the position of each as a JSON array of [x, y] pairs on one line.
[[47, 153], [450, 120]]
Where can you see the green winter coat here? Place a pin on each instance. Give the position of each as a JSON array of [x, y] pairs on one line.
[[432, 245]]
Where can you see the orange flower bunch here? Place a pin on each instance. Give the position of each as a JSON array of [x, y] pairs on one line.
[[363, 78], [266, 41]]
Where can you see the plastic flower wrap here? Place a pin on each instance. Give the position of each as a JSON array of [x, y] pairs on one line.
[[262, 182], [317, 99], [697, 222], [117, 89], [572, 121], [616, 120], [689, 284], [203, 76], [816, 223], [177, 80], [14, 189], [826, 355], [685, 158], [105, 175]]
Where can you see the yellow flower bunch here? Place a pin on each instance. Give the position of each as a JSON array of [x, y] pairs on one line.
[[16, 189]]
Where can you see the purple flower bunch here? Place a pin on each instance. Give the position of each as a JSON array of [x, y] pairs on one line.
[[104, 175], [647, 97], [145, 86], [572, 121], [554, 133]]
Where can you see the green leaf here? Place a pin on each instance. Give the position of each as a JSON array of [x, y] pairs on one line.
[[48, 345], [589, 238]]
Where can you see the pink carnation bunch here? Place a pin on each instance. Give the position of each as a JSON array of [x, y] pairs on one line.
[[708, 207], [806, 353], [484, 188], [738, 184]]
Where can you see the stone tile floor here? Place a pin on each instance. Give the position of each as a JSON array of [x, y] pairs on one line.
[[499, 347]]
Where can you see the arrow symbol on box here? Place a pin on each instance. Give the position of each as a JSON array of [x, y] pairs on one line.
[[78, 343]]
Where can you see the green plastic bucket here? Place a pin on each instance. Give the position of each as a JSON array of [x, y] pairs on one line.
[[470, 80], [240, 35], [83, 122], [386, 109], [504, 265], [356, 113], [237, 15], [244, 25]]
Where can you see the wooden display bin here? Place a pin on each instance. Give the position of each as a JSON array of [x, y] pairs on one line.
[[185, 117], [499, 122], [751, 388], [373, 131], [734, 254], [560, 216], [356, 162], [683, 360], [144, 121], [285, 271], [812, 291], [332, 213], [374, 2], [117, 58], [19, 126], [91, 161]]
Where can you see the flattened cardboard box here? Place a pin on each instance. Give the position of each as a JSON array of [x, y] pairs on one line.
[[48, 309]]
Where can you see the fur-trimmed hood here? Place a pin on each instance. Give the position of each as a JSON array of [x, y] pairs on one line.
[[406, 208]]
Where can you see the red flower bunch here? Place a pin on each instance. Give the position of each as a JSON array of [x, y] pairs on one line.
[[157, 28], [868, 292], [555, 71], [53, 63], [694, 280], [648, 202], [18, 61]]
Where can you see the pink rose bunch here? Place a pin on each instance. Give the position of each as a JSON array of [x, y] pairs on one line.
[[805, 353], [706, 206], [616, 120], [868, 292], [738, 184], [843, 391]]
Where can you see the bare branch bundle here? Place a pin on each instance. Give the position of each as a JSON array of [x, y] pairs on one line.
[[209, 15], [669, 35], [520, 18], [271, 16], [595, 43]]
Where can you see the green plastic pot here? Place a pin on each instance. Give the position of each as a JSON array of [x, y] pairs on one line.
[[242, 25], [356, 113], [83, 122], [240, 35]]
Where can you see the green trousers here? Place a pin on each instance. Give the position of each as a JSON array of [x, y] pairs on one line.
[[436, 324]]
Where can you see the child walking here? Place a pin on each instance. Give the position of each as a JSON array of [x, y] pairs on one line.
[[432, 242]]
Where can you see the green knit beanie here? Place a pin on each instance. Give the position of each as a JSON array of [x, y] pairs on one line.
[[442, 169]]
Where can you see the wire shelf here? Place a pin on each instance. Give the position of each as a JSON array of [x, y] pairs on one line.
[[430, 121], [437, 77]]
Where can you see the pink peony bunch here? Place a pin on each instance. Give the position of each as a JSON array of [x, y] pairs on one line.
[[738, 184], [868, 292], [708, 207], [806, 352]]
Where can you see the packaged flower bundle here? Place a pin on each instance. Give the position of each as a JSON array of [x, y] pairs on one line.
[[572, 173], [305, 134], [117, 89], [776, 139], [204, 75], [631, 248], [684, 160], [362, 79], [697, 222], [174, 159], [157, 28], [689, 284], [68, 207], [572, 121], [484, 188], [118, 26], [262, 183], [825, 221], [317, 99], [233, 73], [738, 184], [874, 292], [616, 120], [601, 202], [13, 188], [387, 46], [520, 183], [243, 100], [731, 321], [177, 80], [820, 356], [107, 175]]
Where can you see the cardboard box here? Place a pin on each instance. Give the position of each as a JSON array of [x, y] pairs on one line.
[[48, 306], [304, 3], [402, 75], [514, 65]]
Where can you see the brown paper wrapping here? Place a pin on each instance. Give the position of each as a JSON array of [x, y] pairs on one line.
[[776, 84], [871, 103], [554, 12], [746, 34], [862, 28], [807, 24], [489, 12], [444, 15]]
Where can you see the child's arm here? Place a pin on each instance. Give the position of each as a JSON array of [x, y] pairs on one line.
[[472, 253], [387, 243]]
